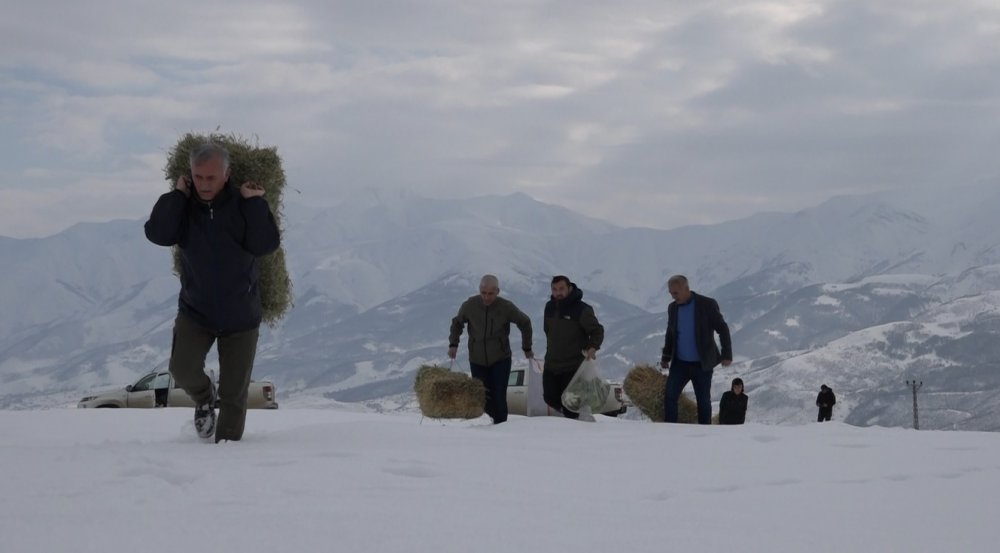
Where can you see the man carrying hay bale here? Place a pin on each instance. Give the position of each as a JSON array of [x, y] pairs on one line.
[[689, 348], [488, 318], [220, 231], [572, 334]]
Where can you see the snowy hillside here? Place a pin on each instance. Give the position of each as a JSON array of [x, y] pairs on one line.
[[325, 480], [378, 279], [953, 348]]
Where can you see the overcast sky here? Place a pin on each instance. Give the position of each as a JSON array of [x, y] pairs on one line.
[[643, 113]]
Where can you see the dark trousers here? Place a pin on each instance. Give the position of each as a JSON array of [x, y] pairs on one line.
[[161, 395], [494, 378], [236, 354], [825, 413], [682, 372], [554, 383]]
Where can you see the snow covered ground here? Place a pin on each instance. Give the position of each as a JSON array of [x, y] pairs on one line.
[[333, 480]]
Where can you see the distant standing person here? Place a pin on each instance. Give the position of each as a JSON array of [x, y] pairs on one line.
[[689, 349], [488, 318], [733, 406], [825, 401], [221, 232], [572, 334]]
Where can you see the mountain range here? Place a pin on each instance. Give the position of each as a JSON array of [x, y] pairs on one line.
[[860, 292]]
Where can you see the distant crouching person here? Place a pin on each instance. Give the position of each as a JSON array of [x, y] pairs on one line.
[[733, 405]]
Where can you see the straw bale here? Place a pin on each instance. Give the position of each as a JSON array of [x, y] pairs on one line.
[[645, 387], [247, 162], [445, 394]]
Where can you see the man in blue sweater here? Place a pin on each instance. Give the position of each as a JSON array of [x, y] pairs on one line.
[[689, 349]]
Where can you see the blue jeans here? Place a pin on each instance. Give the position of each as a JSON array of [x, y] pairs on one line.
[[494, 378], [682, 372]]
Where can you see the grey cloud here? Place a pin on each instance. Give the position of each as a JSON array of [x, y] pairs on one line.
[[642, 112]]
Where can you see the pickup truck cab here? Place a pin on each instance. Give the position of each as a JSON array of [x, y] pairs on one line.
[[518, 392], [158, 389]]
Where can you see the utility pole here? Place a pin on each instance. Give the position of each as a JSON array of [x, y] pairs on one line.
[[914, 385]]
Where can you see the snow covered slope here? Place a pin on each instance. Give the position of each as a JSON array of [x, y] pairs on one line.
[[334, 480]]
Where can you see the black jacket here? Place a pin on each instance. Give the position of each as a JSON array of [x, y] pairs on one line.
[[733, 408], [707, 321], [826, 399], [570, 328], [219, 245]]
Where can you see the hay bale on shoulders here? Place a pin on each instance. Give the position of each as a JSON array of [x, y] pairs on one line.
[[645, 386], [445, 394], [247, 162]]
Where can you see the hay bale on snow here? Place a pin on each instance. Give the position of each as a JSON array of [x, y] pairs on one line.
[[645, 386], [444, 394], [247, 162]]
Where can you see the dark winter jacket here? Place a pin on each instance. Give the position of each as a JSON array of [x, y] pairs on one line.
[[489, 329], [733, 408], [571, 327], [826, 399], [708, 321], [219, 244]]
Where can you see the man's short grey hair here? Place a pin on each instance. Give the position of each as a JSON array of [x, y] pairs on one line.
[[489, 282], [677, 279], [208, 150]]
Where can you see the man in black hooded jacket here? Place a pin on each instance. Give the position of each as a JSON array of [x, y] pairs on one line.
[[221, 232], [572, 334]]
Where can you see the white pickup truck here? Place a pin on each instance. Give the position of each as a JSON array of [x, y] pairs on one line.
[[158, 389], [518, 400]]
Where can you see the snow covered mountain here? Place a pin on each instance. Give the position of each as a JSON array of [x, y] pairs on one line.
[[952, 347], [377, 280]]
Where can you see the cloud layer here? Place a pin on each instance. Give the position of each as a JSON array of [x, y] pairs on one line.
[[646, 113]]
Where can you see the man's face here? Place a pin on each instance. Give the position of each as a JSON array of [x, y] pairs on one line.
[[560, 290], [489, 295], [680, 292], [737, 389], [209, 178]]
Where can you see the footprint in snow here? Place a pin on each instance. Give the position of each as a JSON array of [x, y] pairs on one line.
[[784, 482], [411, 472]]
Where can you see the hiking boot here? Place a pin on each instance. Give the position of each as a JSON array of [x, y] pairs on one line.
[[204, 418]]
